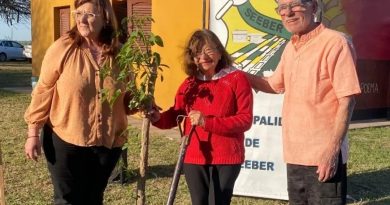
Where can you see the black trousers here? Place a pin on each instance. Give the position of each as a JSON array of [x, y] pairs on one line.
[[79, 174], [304, 187], [211, 184]]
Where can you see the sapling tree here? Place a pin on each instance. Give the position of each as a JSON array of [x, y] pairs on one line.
[[139, 69]]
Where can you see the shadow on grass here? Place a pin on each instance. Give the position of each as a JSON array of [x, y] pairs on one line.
[[373, 187], [12, 78], [370, 188], [124, 176], [15, 64]]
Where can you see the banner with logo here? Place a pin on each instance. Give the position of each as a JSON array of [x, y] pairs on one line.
[[254, 35]]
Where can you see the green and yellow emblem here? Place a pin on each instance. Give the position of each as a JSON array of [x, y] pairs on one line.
[[256, 36]]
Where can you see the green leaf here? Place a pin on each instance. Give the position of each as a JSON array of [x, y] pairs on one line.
[[152, 39], [158, 40]]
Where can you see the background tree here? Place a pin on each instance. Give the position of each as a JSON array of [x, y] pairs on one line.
[[14, 11]]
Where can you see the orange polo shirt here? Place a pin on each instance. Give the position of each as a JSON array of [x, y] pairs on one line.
[[315, 70], [68, 97]]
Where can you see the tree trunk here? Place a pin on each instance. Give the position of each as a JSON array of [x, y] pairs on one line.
[[2, 196], [143, 165]]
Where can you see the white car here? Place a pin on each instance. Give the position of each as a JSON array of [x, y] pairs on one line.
[[28, 52], [11, 50]]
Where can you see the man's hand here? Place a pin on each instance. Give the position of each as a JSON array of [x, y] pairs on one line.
[[328, 165], [32, 148], [259, 83]]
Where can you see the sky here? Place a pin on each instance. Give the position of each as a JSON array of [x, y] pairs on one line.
[[17, 32]]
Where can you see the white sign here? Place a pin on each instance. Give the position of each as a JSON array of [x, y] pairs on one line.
[[253, 34]]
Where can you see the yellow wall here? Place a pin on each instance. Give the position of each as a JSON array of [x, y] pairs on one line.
[[42, 23], [175, 20]]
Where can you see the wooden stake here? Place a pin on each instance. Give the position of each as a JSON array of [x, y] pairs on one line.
[[2, 195], [143, 165]]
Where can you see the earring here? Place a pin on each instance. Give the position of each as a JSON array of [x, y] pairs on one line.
[[316, 18]]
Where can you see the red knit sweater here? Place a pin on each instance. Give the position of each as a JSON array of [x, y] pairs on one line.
[[227, 105]]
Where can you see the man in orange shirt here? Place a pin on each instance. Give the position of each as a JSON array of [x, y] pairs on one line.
[[317, 74]]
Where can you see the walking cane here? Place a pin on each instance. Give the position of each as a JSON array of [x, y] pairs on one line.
[[179, 165]]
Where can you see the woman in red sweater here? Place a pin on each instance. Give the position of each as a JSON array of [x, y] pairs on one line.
[[218, 100]]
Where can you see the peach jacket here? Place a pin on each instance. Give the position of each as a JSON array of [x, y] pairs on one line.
[[68, 98]]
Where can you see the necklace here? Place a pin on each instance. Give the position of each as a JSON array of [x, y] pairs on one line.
[[96, 53]]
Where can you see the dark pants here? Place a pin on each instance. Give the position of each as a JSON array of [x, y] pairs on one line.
[[211, 184], [304, 187], [79, 174]]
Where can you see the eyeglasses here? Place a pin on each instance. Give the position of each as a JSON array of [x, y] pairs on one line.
[[206, 51], [79, 14], [294, 6]]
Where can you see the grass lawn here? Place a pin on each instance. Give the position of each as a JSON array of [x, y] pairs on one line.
[[27, 182], [15, 74]]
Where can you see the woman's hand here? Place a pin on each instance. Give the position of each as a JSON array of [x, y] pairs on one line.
[[196, 117], [154, 114], [126, 101], [32, 148]]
